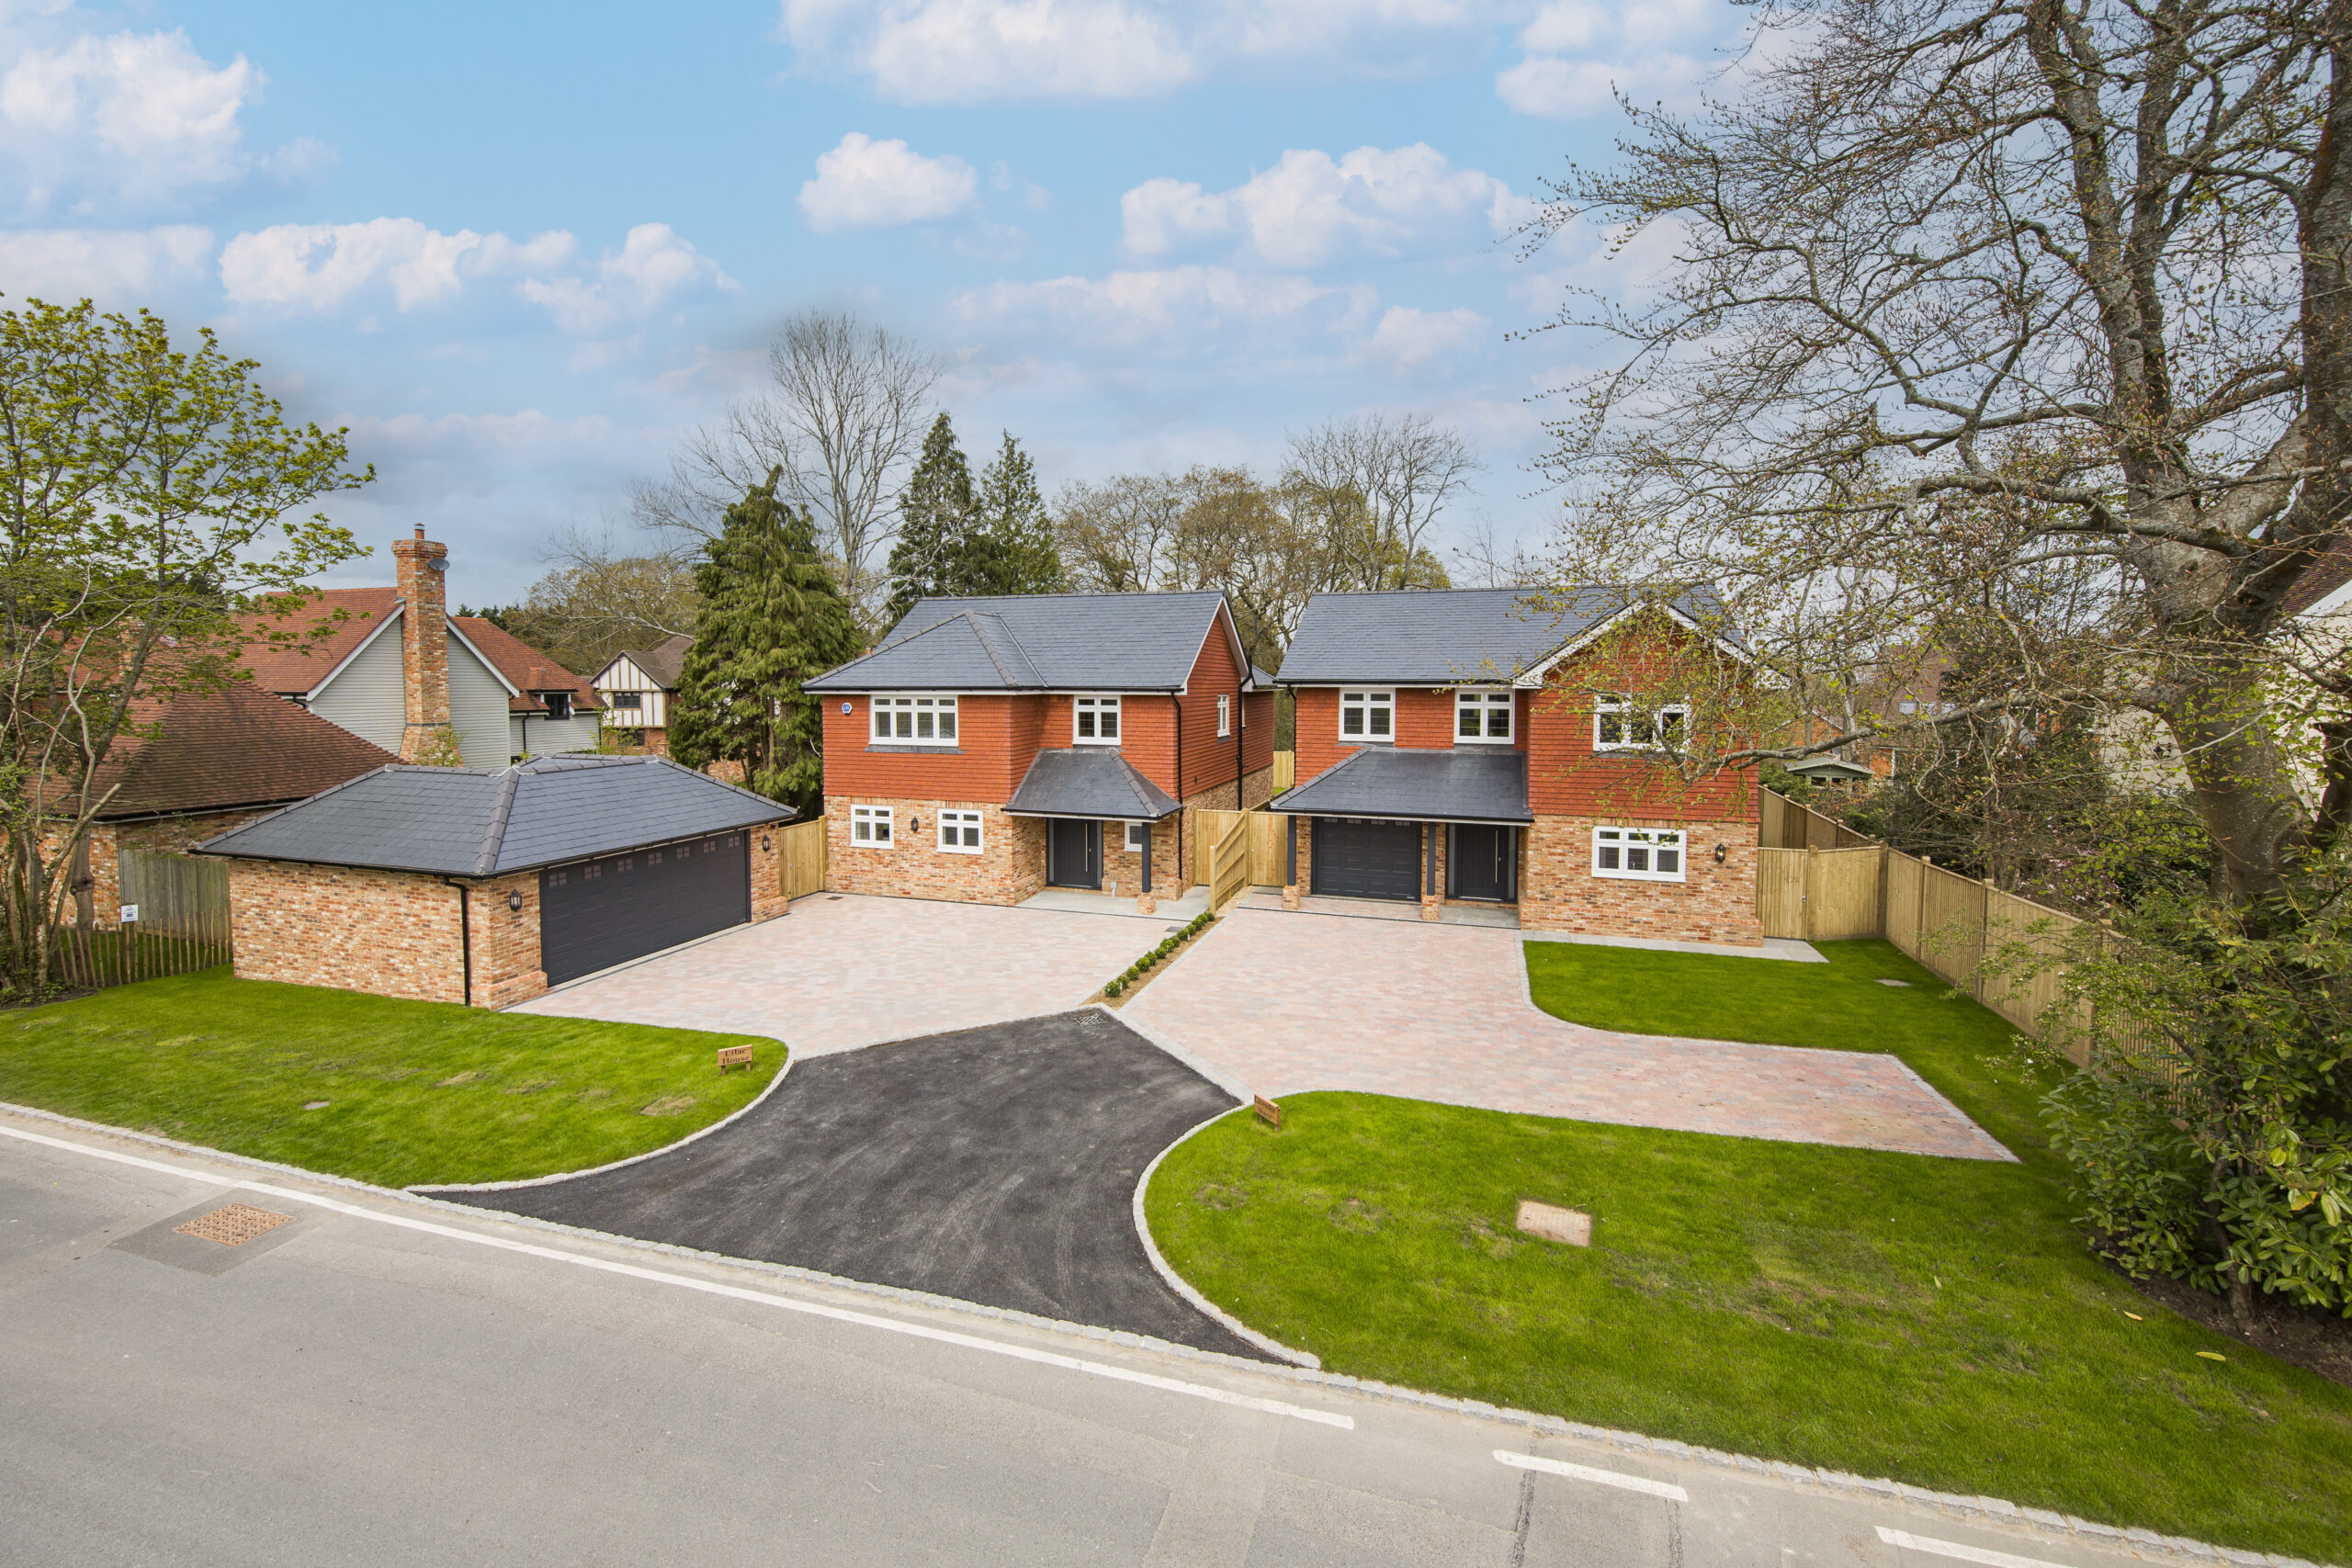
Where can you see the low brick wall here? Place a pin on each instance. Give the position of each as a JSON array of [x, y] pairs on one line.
[[1559, 892], [1010, 867]]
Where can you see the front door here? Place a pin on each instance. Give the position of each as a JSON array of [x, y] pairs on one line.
[[1479, 862], [1074, 852]]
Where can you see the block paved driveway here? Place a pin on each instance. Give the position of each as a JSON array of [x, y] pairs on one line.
[[994, 1165], [1286, 1002], [843, 971]]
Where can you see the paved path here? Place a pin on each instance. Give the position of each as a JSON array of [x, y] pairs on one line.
[[362, 1392], [995, 1164], [1287, 1002], [844, 971]]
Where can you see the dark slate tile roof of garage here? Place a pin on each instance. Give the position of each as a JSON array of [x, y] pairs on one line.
[[486, 822], [1441, 636], [1036, 642], [1419, 785], [1090, 781]]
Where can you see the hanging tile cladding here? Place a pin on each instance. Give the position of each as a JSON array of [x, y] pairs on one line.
[[1211, 763], [1424, 720], [996, 739], [1566, 777], [1258, 733]]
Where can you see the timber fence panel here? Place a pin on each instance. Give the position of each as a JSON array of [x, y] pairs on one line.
[[1209, 829], [2046, 932], [1230, 874], [1269, 848], [1842, 894], [1951, 922], [804, 859], [1285, 770], [1780, 892], [1903, 882]]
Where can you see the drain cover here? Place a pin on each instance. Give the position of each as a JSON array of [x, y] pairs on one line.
[[233, 1226]]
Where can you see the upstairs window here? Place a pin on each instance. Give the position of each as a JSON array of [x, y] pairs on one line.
[[1638, 854], [625, 702], [559, 704], [1620, 725], [1224, 717], [914, 721], [1096, 722], [1482, 716], [1367, 716]]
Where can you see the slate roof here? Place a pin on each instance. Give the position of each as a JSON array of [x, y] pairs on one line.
[[238, 746], [489, 821], [1090, 781], [665, 662], [1443, 637], [1037, 642], [1461, 785]]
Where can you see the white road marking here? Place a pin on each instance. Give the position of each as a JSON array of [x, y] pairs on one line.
[[1953, 1549], [712, 1288], [1665, 1489]]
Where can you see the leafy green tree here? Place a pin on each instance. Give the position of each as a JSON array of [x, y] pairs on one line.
[[1011, 547], [772, 616], [936, 515], [150, 495]]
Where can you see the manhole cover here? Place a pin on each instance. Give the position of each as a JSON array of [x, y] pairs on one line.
[[233, 1226]]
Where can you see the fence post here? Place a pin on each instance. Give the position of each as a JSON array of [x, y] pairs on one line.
[[1919, 913], [1811, 854], [1983, 935], [1885, 887]]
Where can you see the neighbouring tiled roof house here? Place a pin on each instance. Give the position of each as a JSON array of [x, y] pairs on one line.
[[638, 687], [1451, 747], [487, 886], [993, 747]]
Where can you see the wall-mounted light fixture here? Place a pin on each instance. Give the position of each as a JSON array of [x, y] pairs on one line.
[[514, 900], [765, 845], [914, 824], [1723, 854]]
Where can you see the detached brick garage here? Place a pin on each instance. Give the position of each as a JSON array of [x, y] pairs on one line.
[[488, 886]]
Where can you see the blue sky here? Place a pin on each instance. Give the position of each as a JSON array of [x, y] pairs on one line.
[[521, 250]]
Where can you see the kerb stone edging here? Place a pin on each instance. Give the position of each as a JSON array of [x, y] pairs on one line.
[[1182, 1287], [2135, 1542]]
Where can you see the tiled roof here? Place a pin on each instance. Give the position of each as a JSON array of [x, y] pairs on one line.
[[1417, 786], [1051, 642], [486, 822], [664, 664], [2328, 574], [330, 624], [1090, 781], [525, 667], [1442, 637], [234, 747]]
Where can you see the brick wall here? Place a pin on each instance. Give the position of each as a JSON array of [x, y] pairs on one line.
[[1010, 867], [389, 933], [767, 874], [505, 942], [1558, 891], [1258, 784]]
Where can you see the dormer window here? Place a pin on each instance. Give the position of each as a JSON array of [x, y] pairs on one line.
[[1367, 716], [1482, 718], [559, 704], [1095, 721]]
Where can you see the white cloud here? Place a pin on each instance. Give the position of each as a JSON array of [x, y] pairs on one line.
[[1408, 339], [319, 267], [125, 265], [864, 184], [654, 267], [1581, 55], [1178, 304], [1308, 207]]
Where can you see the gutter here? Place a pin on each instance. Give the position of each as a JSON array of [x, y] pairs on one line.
[[465, 933]]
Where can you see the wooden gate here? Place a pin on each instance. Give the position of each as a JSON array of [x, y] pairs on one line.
[[1820, 895], [804, 858]]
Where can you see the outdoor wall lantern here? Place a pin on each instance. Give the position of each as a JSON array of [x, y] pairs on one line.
[[1723, 854], [914, 824], [765, 845], [514, 900]]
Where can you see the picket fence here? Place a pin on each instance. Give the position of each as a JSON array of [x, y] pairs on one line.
[[183, 925]]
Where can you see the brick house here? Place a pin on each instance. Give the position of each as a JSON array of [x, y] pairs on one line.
[[1452, 748], [636, 688], [487, 886], [993, 748]]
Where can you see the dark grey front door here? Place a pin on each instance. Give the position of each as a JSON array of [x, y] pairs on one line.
[[594, 914], [1356, 857], [1480, 862], [1074, 852]]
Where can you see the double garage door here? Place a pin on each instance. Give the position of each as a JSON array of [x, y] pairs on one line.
[[594, 914], [1359, 857]]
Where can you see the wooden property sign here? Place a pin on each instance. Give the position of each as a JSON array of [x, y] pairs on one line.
[[1268, 1112], [734, 1056]]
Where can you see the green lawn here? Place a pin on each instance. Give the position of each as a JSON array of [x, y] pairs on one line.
[[415, 1091], [1934, 1320]]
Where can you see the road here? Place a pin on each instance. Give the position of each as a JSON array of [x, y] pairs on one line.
[[380, 1382]]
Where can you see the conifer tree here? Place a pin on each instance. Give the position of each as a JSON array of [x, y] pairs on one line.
[[1011, 547], [935, 514], [772, 615]]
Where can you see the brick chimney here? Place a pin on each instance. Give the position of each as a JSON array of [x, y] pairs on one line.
[[424, 645]]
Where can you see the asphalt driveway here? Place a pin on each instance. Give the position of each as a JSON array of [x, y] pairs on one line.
[[994, 1165]]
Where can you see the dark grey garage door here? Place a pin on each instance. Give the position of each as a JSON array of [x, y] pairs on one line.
[[1358, 858], [598, 913]]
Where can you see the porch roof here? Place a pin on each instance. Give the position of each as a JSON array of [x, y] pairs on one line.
[[1090, 781], [1411, 784]]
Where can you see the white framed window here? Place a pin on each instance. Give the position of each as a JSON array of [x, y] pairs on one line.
[[914, 721], [1641, 854], [1619, 724], [869, 826], [1138, 835], [1367, 716], [959, 832], [1224, 717], [1483, 717], [1095, 721]]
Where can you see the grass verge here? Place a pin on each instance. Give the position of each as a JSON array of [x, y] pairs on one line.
[[415, 1091], [1934, 1320]]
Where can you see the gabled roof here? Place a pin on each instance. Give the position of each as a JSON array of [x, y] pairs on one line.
[[1090, 781], [214, 750], [664, 664], [1042, 642], [1448, 637], [1417, 786], [489, 821], [322, 640], [526, 669]]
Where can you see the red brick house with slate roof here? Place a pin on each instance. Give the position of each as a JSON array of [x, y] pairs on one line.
[[992, 747], [1451, 748]]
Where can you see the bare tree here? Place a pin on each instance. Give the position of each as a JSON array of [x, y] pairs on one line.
[[2032, 318], [1405, 470], [1489, 560], [600, 597], [1115, 538], [843, 415]]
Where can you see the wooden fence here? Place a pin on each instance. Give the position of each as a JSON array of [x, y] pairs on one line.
[[1285, 770], [183, 924], [1264, 835], [1783, 824], [804, 858]]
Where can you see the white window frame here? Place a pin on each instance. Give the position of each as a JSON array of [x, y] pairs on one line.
[[1223, 715], [928, 718], [1605, 708], [1485, 702], [1368, 703], [865, 819], [1090, 717], [1135, 839], [960, 832], [1647, 845]]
